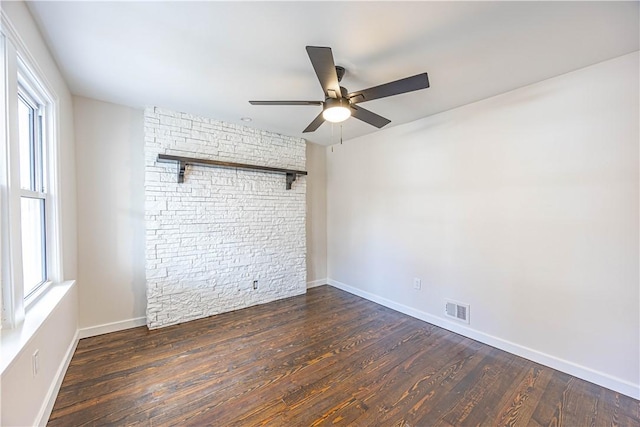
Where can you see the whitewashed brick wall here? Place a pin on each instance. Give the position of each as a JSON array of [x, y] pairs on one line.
[[211, 236]]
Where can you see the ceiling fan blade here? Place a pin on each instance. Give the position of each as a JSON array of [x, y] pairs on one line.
[[315, 124], [325, 68], [409, 84], [369, 117], [285, 102]]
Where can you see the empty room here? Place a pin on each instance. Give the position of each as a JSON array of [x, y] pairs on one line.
[[360, 213]]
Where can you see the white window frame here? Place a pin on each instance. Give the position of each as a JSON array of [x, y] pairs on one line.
[[18, 71]]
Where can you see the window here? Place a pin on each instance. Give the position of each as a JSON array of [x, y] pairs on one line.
[[29, 212], [32, 192]]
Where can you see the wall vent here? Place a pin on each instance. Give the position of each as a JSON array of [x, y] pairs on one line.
[[457, 311]]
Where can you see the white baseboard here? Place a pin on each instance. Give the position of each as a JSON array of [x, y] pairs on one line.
[[106, 328], [315, 283], [52, 393], [622, 386]]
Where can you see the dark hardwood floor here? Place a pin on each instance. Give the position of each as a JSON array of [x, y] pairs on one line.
[[326, 357]]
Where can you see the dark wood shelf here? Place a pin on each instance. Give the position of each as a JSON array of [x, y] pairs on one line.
[[182, 162]]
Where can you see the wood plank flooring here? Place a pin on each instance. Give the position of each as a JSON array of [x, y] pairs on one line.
[[324, 358]]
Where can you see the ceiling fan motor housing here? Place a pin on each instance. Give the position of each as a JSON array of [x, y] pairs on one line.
[[336, 102], [343, 94]]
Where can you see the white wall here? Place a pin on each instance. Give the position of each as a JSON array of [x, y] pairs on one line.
[[316, 214], [57, 333], [524, 206], [110, 152], [28, 400]]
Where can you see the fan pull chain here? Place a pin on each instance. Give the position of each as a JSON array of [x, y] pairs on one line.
[[340, 134]]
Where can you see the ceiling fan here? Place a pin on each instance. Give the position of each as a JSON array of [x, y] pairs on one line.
[[338, 104]]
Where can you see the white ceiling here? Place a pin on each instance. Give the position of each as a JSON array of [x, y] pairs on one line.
[[211, 58]]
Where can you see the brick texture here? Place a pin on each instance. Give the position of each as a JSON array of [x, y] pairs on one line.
[[210, 237]]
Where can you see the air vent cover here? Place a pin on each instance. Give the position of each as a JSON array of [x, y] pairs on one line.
[[457, 311]]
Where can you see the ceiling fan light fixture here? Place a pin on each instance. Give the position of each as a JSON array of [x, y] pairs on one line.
[[336, 110]]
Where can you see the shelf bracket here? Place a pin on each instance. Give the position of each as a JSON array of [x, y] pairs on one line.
[[290, 178], [182, 165]]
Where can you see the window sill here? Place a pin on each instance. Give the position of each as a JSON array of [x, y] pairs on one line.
[[12, 341], [40, 292]]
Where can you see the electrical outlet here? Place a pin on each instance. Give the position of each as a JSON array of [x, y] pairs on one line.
[[255, 284], [35, 361], [417, 283]]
